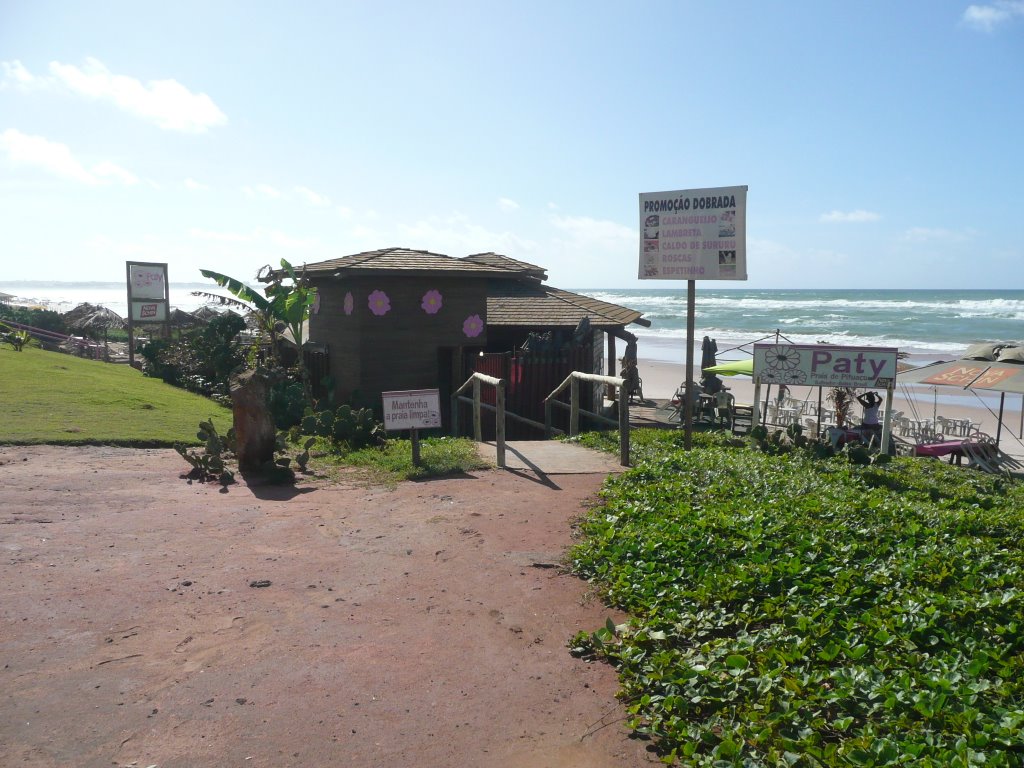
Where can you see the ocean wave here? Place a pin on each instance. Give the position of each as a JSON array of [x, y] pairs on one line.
[[732, 338], [794, 303]]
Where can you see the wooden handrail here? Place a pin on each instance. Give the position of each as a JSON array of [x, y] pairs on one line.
[[573, 382], [499, 422]]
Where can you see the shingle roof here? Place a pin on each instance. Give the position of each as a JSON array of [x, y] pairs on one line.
[[518, 300], [407, 261], [506, 262], [525, 304]]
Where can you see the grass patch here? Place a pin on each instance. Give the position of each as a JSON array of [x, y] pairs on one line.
[[49, 397], [800, 612], [439, 456]]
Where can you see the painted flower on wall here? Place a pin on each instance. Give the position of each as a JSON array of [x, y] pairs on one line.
[[432, 302], [379, 303], [350, 303], [473, 326]]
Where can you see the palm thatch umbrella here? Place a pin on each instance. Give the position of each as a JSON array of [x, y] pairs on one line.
[[96, 319], [206, 314], [179, 318]]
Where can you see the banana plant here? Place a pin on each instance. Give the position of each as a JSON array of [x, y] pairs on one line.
[[287, 303], [16, 337]]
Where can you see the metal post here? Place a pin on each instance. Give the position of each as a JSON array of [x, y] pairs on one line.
[[691, 290], [999, 427]]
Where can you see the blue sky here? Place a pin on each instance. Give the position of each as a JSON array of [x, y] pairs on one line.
[[880, 141]]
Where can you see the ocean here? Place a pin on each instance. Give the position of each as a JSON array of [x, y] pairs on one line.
[[928, 324]]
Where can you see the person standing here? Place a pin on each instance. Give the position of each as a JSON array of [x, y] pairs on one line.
[[870, 401]]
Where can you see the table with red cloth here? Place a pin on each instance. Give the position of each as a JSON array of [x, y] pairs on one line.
[[952, 448]]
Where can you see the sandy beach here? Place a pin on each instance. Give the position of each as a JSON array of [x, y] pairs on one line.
[[661, 379]]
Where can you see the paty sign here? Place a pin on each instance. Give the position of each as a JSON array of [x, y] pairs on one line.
[[825, 365]]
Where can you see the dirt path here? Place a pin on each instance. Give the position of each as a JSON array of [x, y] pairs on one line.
[[405, 626]]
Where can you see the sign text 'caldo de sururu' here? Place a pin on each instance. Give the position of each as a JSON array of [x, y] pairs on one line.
[[694, 234]]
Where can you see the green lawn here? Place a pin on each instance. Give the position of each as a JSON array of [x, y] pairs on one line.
[[49, 397]]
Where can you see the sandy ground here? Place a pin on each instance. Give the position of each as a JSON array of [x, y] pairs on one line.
[[146, 621]]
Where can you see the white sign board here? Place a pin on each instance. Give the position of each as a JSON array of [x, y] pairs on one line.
[[412, 409], [694, 234], [147, 281], [825, 365], [149, 311]]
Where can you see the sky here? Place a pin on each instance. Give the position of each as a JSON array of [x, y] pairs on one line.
[[880, 142]]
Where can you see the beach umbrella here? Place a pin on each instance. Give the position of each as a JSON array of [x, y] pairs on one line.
[[708, 350], [745, 367], [989, 375], [206, 314], [100, 318], [79, 313], [179, 318]]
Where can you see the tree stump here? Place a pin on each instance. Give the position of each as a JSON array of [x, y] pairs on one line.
[[255, 434]]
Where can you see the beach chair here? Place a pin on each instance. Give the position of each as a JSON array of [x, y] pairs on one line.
[[985, 455], [724, 402]]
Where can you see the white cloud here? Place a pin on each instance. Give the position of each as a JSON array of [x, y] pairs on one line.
[[506, 204], [262, 191], [345, 212], [312, 198], [192, 184], [16, 76], [988, 17], [107, 170], [857, 217], [56, 159], [165, 103]]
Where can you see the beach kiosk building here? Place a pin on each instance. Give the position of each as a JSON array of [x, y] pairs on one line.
[[401, 319]]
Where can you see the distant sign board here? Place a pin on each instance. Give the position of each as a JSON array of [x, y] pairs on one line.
[[147, 281], [825, 365], [412, 409], [694, 234], [149, 311]]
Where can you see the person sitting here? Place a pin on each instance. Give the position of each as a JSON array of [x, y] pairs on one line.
[[724, 402], [711, 384]]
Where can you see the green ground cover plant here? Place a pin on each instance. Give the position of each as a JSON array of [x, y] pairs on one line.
[[439, 456], [49, 397], [794, 611]]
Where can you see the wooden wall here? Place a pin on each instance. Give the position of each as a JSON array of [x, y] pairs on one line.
[[399, 345]]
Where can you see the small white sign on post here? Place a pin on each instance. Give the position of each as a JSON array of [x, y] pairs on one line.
[[412, 409]]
